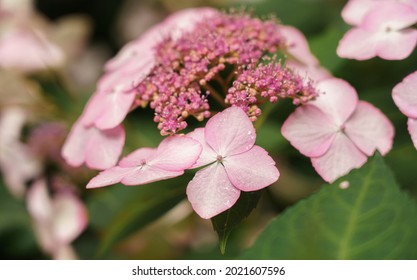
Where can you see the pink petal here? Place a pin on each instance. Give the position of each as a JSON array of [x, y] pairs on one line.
[[230, 132], [405, 95], [370, 129], [309, 130], [104, 147], [412, 129], [389, 14], [355, 10], [148, 174], [107, 110], [73, 150], [338, 99], [341, 157], [297, 45], [131, 176], [28, 50], [311, 72], [127, 77], [64, 252], [99, 149], [185, 21], [210, 192], [251, 170], [38, 201], [69, 219], [138, 157], [207, 155], [109, 177], [358, 44], [176, 153], [396, 45]]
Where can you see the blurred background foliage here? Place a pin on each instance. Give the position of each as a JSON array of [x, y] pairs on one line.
[[155, 221]]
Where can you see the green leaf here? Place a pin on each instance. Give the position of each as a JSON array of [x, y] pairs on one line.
[[225, 222], [371, 219], [122, 211]]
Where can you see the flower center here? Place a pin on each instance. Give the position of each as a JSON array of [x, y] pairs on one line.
[[219, 158]]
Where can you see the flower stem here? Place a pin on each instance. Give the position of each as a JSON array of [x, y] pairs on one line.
[[216, 95], [265, 112]]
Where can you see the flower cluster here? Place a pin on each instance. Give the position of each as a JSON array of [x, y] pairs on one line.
[[381, 28], [189, 67], [271, 82], [175, 68]]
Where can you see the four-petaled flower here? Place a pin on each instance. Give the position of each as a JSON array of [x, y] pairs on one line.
[[337, 131], [234, 162], [381, 30], [405, 97], [173, 155]]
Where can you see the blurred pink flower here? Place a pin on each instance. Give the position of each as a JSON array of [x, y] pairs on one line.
[[17, 164], [24, 42], [405, 97], [382, 30], [173, 155], [98, 149], [337, 131], [58, 219], [234, 162]]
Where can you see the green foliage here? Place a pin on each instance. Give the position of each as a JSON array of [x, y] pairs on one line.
[[16, 237], [121, 211], [225, 222], [371, 219]]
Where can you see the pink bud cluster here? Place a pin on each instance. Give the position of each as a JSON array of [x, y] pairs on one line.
[[187, 67], [271, 82]]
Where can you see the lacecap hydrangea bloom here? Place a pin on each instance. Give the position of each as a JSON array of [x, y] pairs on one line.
[[178, 68], [201, 61]]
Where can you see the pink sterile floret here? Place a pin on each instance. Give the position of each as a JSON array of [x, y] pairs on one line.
[[173, 155], [235, 163], [405, 97], [382, 32], [58, 219], [337, 131], [98, 149]]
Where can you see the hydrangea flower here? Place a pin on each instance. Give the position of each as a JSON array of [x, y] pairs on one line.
[[58, 219], [234, 163], [337, 131], [18, 165], [98, 149], [405, 97], [173, 155], [381, 30], [385, 24]]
